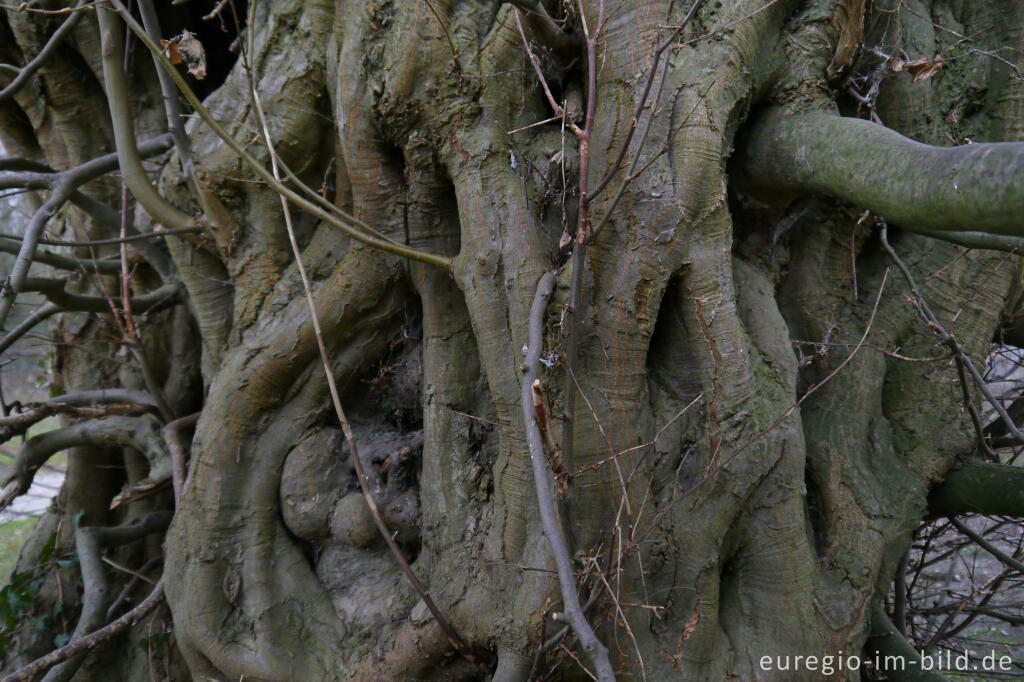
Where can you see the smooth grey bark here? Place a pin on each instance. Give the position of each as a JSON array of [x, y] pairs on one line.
[[973, 187]]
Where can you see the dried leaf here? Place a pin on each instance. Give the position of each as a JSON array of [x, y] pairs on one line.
[[923, 68], [171, 51], [144, 488], [565, 239], [187, 48]]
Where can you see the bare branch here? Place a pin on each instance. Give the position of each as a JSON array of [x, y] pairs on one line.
[[62, 185], [988, 546], [595, 650], [118, 100], [141, 433], [970, 188], [179, 456]]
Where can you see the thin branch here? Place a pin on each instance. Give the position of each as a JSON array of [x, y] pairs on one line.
[[45, 311], [55, 260], [159, 234], [596, 651], [63, 186], [988, 546], [179, 456], [535, 63], [89, 542], [950, 341]]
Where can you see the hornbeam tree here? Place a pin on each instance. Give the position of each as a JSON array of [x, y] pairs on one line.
[[403, 339]]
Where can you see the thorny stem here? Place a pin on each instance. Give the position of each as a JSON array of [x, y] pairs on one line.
[[596, 651]]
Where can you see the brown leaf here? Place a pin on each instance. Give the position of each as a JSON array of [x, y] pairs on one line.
[[171, 51], [923, 68], [565, 239]]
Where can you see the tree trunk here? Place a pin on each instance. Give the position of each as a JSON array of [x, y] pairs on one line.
[[747, 456]]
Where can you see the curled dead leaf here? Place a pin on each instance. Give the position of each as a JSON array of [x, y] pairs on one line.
[[919, 69], [186, 48]]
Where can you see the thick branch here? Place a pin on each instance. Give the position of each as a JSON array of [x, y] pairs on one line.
[[971, 188], [141, 433], [348, 224], [979, 488], [124, 133], [54, 291], [596, 651]]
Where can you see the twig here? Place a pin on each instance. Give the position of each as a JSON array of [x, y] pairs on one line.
[[988, 546], [947, 339], [159, 234], [63, 186], [179, 456], [596, 651]]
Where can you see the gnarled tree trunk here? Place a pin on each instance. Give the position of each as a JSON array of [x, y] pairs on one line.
[[733, 493]]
